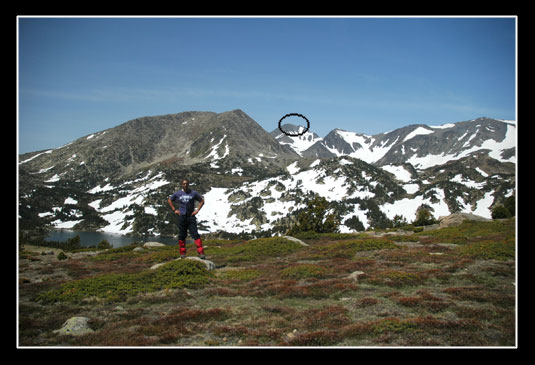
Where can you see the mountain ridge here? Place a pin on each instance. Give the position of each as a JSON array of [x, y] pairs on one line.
[[188, 138], [117, 180], [413, 142]]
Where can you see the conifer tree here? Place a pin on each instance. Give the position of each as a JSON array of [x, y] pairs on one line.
[[424, 216], [315, 218]]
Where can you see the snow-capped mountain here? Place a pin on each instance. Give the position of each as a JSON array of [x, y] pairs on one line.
[[118, 180], [296, 137], [421, 145]]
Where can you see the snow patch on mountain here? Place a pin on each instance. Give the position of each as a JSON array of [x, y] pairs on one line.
[[299, 143], [117, 212], [399, 171], [495, 148], [407, 207], [362, 146], [214, 155], [416, 132]]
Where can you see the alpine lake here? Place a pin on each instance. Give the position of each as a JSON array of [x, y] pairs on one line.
[[88, 239]]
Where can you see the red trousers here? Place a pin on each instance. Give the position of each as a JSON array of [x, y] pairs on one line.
[[182, 246]]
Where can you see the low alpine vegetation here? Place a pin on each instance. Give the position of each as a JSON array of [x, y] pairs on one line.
[[118, 287], [443, 287]]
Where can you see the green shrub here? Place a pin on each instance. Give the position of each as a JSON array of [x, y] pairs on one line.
[[304, 271], [399, 221], [116, 253], [311, 235], [242, 274], [314, 218], [424, 217], [347, 249], [500, 212], [470, 231], [489, 250], [510, 205], [354, 223], [104, 244], [394, 325], [118, 287], [259, 249], [397, 278]]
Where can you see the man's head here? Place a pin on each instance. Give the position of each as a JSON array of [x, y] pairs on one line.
[[185, 184]]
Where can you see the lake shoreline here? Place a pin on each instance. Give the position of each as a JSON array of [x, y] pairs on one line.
[[93, 238]]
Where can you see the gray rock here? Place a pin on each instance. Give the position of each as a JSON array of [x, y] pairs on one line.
[[209, 264]]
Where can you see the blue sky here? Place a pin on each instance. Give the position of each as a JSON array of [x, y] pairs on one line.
[[77, 76]]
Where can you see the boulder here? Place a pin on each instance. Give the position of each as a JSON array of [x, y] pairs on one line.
[[75, 326], [456, 219]]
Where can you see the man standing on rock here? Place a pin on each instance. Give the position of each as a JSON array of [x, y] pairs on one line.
[[186, 216]]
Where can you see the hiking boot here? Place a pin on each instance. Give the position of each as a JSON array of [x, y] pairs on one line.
[[182, 257], [202, 257]]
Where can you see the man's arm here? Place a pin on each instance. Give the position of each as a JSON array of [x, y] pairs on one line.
[[172, 206], [199, 207]]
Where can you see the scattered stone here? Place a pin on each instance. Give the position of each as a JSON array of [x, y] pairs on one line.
[[155, 266], [446, 245], [295, 240], [153, 244], [431, 227], [75, 326], [292, 334], [355, 275], [408, 244], [137, 249], [209, 264]]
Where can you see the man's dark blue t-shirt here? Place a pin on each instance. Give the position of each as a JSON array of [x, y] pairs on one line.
[[186, 201]]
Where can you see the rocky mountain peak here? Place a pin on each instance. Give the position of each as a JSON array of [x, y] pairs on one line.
[[296, 137]]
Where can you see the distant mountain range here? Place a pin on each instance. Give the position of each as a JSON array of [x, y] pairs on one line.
[[118, 180], [418, 144]]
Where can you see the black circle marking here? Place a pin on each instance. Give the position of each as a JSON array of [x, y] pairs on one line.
[[292, 134]]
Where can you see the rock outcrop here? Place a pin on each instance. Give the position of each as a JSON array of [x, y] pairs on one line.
[[456, 219]]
